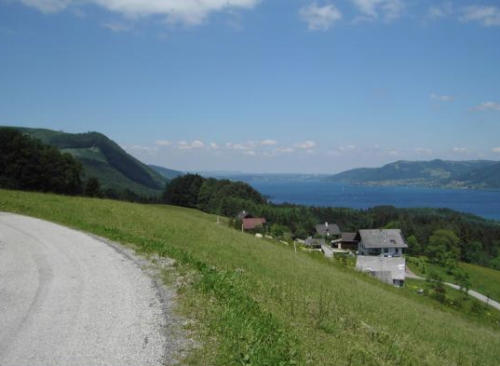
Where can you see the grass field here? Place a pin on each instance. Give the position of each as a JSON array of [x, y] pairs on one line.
[[256, 302], [484, 280]]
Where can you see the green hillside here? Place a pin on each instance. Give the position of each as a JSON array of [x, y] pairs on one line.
[[104, 159], [434, 173], [257, 302], [165, 172], [483, 177]]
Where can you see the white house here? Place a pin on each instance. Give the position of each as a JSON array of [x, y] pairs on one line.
[[391, 270], [381, 242], [380, 253]]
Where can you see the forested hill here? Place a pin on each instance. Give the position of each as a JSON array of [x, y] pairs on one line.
[[165, 172], [476, 174], [104, 159]]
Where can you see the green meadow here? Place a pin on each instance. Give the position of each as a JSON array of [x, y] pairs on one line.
[[257, 302], [484, 280]]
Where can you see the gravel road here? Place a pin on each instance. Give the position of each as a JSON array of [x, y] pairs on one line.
[[67, 298]]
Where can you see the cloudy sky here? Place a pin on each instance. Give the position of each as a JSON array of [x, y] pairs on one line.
[[259, 85]]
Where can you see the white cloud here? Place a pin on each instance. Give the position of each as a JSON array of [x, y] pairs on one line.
[[496, 149], [196, 144], [163, 143], [374, 9], [117, 27], [214, 146], [488, 106], [284, 150], [48, 6], [442, 98], [346, 148], [486, 15], [140, 148], [189, 12], [268, 142], [306, 145], [320, 18], [441, 11], [423, 150], [459, 149], [250, 153]]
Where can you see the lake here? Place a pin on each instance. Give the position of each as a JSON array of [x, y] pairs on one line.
[[320, 193]]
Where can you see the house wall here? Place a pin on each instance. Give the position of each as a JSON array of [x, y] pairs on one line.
[[389, 270], [382, 252]]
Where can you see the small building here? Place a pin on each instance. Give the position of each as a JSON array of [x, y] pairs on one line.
[[381, 242], [329, 231], [314, 243], [252, 223], [346, 241], [389, 270]]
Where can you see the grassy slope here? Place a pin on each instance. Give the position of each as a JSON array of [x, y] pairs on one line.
[[483, 280], [260, 297]]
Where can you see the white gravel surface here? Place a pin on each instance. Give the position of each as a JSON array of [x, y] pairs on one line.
[[67, 298]]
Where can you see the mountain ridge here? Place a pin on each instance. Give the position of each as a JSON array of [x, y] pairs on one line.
[[104, 159], [473, 174]]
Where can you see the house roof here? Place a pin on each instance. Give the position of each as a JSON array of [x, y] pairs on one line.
[[252, 223], [314, 242], [348, 236], [382, 238], [328, 229]]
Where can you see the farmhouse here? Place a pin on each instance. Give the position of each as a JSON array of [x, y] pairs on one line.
[[253, 223], [329, 231], [346, 241], [314, 243], [380, 253], [381, 242]]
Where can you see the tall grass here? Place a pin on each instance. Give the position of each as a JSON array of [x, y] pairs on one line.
[[256, 302]]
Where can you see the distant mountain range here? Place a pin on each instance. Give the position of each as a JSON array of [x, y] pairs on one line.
[[104, 159], [475, 174]]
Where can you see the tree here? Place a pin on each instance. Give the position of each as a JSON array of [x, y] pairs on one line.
[[183, 190], [414, 247], [93, 187], [443, 247], [28, 164], [473, 252], [436, 286]]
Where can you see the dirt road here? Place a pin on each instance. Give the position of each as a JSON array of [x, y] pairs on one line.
[[67, 298]]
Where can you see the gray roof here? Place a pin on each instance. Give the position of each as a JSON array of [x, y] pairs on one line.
[[311, 242], [348, 236], [327, 229], [382, 238]]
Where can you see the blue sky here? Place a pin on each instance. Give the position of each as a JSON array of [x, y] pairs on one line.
[[259, 86]]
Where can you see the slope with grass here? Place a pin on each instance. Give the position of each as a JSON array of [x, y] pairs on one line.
[[104, 159], [257, 302], [483, 280]]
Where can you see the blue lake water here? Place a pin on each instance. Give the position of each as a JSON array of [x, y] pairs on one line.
[[318, 193]]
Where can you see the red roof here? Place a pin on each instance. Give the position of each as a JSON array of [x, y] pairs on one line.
[[249, 224]]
